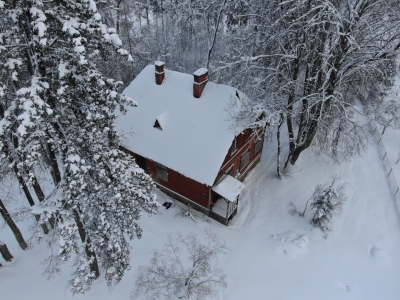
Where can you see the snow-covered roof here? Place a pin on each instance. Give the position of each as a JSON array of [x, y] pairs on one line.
[[158, 63], [200, 72], [228, 187], [196, 133]]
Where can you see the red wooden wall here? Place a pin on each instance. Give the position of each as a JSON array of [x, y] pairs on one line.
[[194, 190]]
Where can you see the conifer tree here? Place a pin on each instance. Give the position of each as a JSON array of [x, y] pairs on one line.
[[60, 111]]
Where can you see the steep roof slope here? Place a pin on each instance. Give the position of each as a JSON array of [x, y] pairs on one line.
[[193, 136]]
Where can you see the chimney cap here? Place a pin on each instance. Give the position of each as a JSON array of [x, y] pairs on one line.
[[159, 63], [200, 72]]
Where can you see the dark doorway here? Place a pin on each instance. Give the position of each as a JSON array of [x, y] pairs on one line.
[[141, 162]]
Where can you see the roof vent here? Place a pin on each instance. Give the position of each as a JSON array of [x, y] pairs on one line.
[[160, 75], [200, 81]]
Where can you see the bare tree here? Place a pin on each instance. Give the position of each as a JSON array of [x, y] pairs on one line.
[[185, 268], [309, 58]]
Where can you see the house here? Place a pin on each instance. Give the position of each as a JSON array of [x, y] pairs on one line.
[[183, 135]]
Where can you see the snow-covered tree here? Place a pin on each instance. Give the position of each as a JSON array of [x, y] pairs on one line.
[[308, 60], [57, 115], [326, 202]]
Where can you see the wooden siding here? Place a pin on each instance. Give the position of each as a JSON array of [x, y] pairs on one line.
[[245, 140], [181, 187]]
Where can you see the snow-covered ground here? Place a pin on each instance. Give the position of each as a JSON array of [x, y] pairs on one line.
[[272, 255]]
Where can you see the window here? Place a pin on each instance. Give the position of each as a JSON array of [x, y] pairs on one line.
[[162, 172], [230, 171], [234, 145], [258, 145], [244, 160]]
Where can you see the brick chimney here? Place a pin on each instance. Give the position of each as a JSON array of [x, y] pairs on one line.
[[159, 72], [200, 81]]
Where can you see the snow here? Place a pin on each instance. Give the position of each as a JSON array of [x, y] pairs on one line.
[[197, 133], [41, 27], [62, 69], [271, 255], [200, 72], [115, 39], [159, 63], [228, 187], [11, 62]]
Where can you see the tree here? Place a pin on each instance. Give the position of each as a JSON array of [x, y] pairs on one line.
[[185, 268], [326, 202], [307, 60], [60, 110]]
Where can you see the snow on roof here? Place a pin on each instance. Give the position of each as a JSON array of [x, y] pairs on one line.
[[163, 119], [159, 63], [200, 72], [228, 187], [196, 133]]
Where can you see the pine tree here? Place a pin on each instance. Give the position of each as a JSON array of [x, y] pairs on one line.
[[56, 103]]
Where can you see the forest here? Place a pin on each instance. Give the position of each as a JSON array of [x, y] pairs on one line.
[[312, 70]]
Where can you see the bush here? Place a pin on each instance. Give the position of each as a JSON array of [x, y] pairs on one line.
[[326, 202]]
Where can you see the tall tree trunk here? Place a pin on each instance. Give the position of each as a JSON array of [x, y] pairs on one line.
[[5, 252], [55, 171], [278, 137], [28, 196], [147, 17], [23, 186], [94, 267], [17, 233], [211, 46]]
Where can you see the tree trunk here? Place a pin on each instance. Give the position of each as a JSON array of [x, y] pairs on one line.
[[23, 186], [5, 252], [94, 267], [147, 17], [211, 47], [38, 190], [13, 226], [55, 172], [278, 137], [28, 196]]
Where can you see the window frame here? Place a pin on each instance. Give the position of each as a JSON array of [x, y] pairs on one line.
[[230, 170], [162, 172], [234, 147], [261, 141], [246, 152]]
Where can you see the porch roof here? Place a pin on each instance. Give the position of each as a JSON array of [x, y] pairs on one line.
[[228, 187]]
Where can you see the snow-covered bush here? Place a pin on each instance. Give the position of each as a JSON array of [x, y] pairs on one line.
[[326, 202], [184, 269]]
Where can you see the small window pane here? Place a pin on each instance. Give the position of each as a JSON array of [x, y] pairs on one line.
[[234, 146], [229, 172], [162, 172], [258, 145], [244, 159]]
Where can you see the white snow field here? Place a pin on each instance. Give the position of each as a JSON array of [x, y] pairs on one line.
[[272, 255]]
